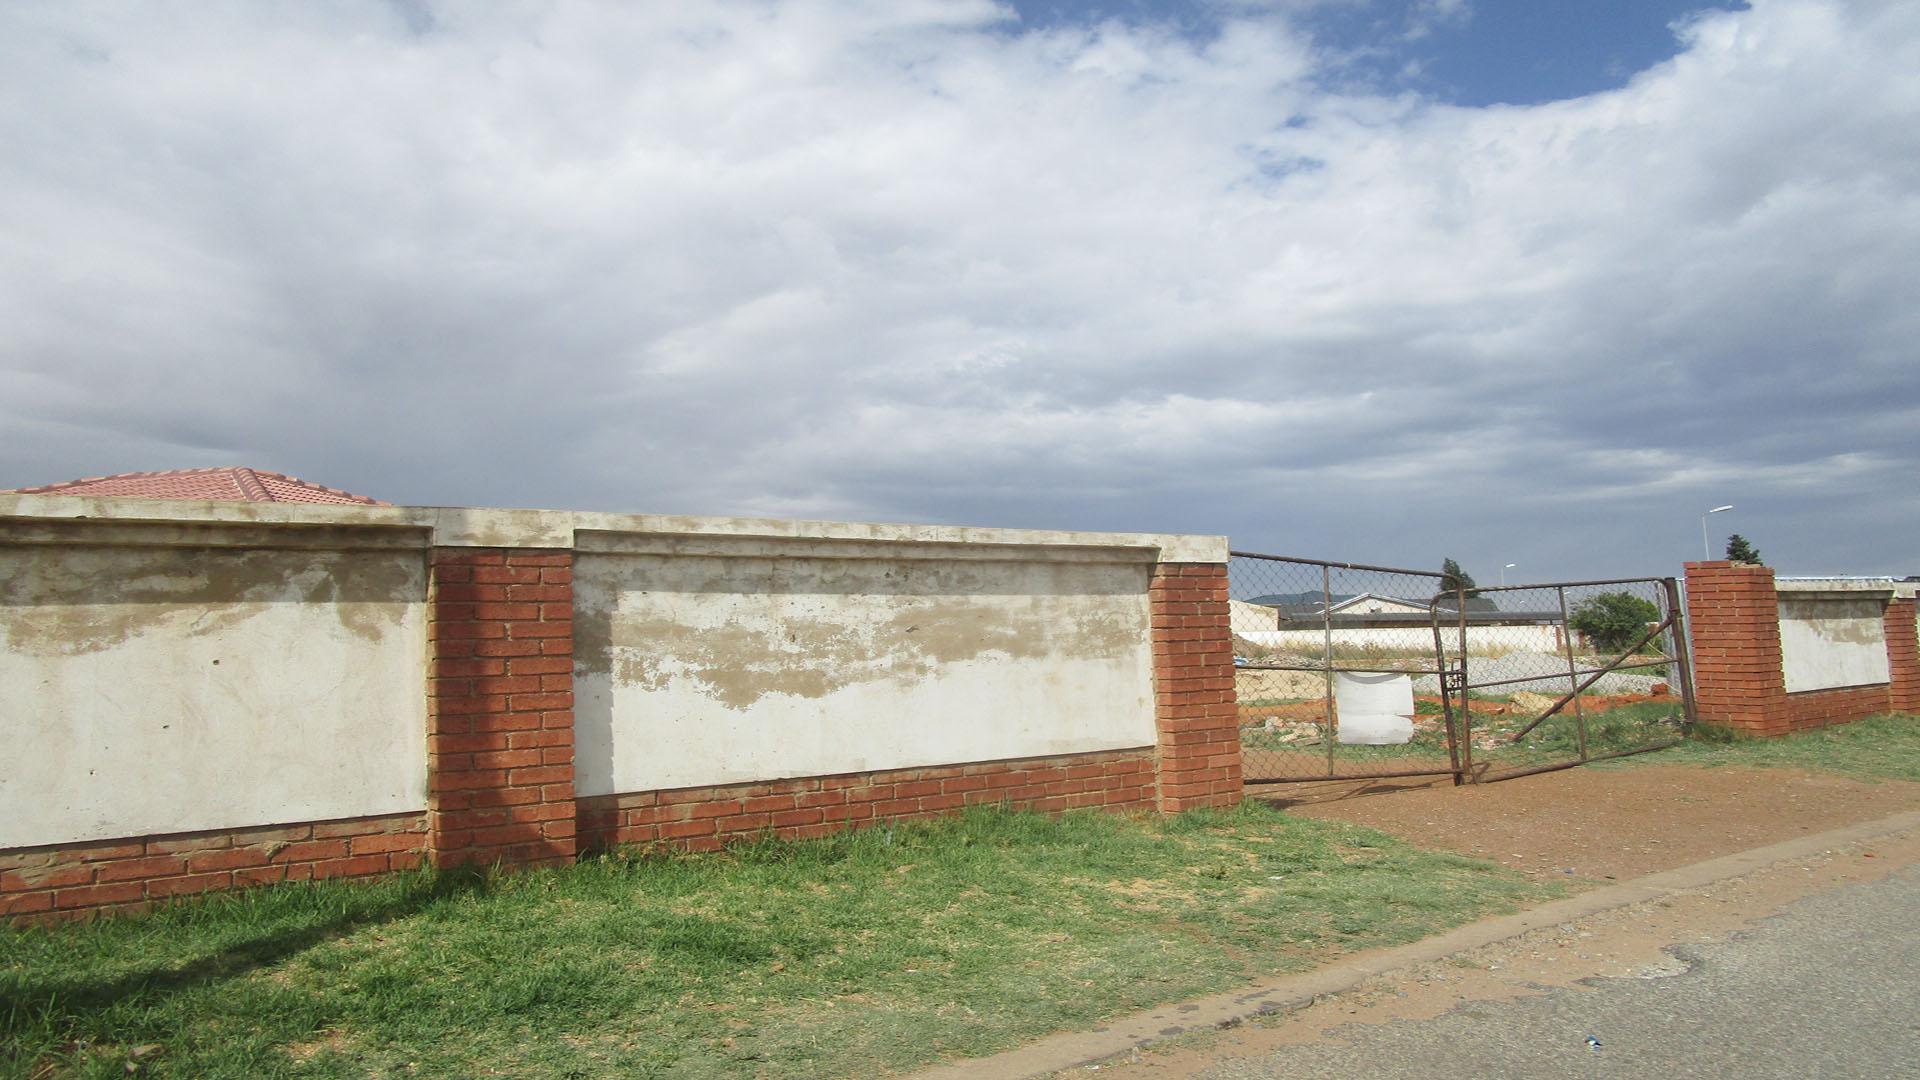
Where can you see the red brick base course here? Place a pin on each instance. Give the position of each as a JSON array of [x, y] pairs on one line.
[[705, 818], [1818, 708], [78, 880]]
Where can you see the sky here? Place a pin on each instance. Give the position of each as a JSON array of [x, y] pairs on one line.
[[1381, 281]]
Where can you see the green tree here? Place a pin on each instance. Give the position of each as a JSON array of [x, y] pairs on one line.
[[1613, 620], [1738, 550], [1453, 578]]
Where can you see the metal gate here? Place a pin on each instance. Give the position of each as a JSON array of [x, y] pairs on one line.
[[1499, 681], [1303, 630], [1614, 682]]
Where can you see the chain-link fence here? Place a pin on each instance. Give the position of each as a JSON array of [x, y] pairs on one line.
[[1346, 671], [1315, 640], [1565, 673]]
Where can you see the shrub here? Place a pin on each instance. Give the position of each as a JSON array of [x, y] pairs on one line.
[[1613, 620]]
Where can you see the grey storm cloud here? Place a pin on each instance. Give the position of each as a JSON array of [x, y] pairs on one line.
[[918, 261]]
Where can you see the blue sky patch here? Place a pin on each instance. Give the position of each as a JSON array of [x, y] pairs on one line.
[[1477, 52]]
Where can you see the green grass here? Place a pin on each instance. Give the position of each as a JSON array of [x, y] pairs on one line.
[[1880, 747], [1426, 748], [1624, 727], [861, 954]]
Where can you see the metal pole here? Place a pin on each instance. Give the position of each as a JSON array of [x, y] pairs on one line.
[[1326, 623], [1573, 675], [1682, 642], [1446, 699], [1466, 702]]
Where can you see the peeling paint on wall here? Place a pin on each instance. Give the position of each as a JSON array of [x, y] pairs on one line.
[[69, 601], [833, 663], [744, 628], [809, 656]]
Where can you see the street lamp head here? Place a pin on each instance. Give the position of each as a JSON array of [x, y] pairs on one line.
[[1705, 551], [1510, 566]]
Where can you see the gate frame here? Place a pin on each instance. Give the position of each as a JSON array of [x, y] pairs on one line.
[[1673, 623], [1457, 747], [1455, 683]]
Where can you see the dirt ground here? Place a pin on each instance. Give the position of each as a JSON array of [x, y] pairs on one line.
[[1600, 824]]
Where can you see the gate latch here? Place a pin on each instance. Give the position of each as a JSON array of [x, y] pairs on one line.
[[1456, 681]]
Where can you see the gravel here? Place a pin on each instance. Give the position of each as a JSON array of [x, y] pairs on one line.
[[1521, 665]]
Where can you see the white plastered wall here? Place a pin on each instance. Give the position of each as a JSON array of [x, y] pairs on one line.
[[733, 662], [1484, 640], [1832, 633], [155, 687], [113, 613]]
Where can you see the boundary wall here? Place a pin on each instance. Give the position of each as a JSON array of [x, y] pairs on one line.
[[217, 695], [1773, 656], [1495, 639]]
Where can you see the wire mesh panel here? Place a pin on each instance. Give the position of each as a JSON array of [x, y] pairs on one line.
[[1329, 664], [1569, 672]]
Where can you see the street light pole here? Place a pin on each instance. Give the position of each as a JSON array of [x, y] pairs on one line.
[[1503, 573], [1706, 553]]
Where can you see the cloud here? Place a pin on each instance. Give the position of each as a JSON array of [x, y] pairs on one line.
[[926, 261]]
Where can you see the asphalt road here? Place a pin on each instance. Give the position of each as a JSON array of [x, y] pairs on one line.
[[1830, 987]]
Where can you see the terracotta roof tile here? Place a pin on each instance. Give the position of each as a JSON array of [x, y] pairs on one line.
[[231, 484]]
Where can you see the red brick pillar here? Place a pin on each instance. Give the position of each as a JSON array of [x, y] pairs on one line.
[[1733, 620], [1199, 724], [1903, 657], [500, 707]]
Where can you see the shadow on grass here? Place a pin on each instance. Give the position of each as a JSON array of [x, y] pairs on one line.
[[79, 995]]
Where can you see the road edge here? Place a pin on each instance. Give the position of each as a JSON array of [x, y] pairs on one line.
[[1285, 992]]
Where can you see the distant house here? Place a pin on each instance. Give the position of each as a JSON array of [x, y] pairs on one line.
[[1300, 605], [1369, 604], [225, 484], [1307, 621], [1313, 605], [1395, 611], [1376, 611]]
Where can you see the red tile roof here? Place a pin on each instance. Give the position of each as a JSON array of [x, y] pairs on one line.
[[234, 484]]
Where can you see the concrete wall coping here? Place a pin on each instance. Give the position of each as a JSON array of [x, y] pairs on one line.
[[1853, 588], [454, 526]]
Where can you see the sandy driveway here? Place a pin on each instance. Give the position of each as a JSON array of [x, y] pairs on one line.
[[1604, 823]]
